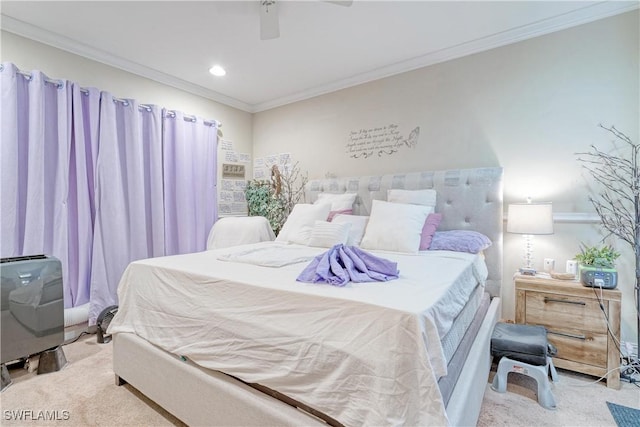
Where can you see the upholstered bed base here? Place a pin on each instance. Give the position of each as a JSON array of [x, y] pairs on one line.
[[202, 397]]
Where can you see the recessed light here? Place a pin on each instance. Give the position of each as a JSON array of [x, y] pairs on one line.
[[217, 71]]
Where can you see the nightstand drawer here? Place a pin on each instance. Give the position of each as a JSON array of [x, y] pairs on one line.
[[575, 323], [571, 312], [579, 346]]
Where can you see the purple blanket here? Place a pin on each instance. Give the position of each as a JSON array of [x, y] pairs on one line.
[[342, 264]]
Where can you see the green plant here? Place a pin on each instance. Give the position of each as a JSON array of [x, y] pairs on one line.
[[599, 257], [262, 201], [274, 199]]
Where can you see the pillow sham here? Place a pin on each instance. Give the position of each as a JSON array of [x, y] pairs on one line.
[[460, 241], [429, 229], [326, 234], [357, 228], [413, 197], [395, 227], [299, 224], [339, 202]]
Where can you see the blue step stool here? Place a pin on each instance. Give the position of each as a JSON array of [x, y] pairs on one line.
[[524, 349]]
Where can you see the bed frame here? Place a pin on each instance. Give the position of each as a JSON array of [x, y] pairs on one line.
[[467, 198]]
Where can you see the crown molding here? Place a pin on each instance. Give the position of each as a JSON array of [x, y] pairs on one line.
[[582, 16], [38, 34], [585, 15]]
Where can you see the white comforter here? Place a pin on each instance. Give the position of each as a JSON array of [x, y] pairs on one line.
[[364, 354]]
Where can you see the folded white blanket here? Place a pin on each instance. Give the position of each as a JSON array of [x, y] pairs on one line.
[[277, 256]]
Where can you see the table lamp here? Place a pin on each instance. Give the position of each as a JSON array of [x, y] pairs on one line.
[[529, 219]]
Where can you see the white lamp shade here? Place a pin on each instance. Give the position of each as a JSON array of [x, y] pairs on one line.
[[530, 218]]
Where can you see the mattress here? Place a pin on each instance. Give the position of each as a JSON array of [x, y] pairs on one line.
[[368, 353], [452, 339], [458, 359]]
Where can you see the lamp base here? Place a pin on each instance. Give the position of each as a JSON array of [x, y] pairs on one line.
[[527, 271]]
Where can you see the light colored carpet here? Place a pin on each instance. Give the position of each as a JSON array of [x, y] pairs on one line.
[[86, 389], [580, 402]]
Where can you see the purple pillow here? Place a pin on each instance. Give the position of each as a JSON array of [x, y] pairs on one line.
[[459, 241], [429, 229]]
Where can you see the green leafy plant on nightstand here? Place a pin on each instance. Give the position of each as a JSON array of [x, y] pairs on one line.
[[597, 257]]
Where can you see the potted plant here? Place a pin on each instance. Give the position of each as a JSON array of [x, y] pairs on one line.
[[597, 266], [261, 201], [274, 199]]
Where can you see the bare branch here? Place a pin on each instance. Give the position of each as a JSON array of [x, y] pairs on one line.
[[618, 204]]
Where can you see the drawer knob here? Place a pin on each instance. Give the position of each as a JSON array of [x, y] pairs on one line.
[[564, 301]]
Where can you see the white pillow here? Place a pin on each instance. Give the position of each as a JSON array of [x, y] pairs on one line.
[[413, 197], [356, 231], [339, 202], [297, 228], [326, 234], [395, 227]]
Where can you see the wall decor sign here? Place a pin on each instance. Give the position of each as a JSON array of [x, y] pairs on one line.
[[232, 200], [378, 141], [232, 171]]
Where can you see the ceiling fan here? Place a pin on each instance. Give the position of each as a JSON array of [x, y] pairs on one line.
[[269, 23]]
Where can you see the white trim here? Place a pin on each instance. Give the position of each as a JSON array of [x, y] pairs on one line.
[[571, 19], [571, 217], [582, 16], [577, 217]]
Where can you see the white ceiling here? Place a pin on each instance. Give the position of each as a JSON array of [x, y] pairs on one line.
[[322, 46]]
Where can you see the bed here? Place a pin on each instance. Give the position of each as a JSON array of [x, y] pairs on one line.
[[289, 353]]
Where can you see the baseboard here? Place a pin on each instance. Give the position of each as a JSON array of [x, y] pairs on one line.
[[73, 332]]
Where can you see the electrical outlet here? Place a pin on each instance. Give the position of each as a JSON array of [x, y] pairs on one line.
[[549, 264]]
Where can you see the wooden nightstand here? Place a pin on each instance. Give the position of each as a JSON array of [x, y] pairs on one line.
[[575, 323]]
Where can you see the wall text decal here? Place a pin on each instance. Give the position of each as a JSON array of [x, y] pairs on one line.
[[379, 141]]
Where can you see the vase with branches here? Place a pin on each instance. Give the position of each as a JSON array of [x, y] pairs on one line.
[[618, 204], [275, 198]]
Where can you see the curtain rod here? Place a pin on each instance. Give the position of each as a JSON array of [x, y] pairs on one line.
[[60, 83], [29, 76], [190, 118]]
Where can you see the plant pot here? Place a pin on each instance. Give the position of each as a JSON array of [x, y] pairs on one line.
[[605, 278]]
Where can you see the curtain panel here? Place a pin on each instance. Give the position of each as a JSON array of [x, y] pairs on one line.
[[129, 221], [189, 176], [35, 160], [99, 182]]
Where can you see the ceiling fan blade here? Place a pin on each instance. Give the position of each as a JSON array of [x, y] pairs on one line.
[[269, 23], [345, 3]]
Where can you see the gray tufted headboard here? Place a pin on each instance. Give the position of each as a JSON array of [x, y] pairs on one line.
[[469, 199]]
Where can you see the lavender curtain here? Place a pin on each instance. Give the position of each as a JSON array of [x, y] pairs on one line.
[[83, 158], [190, 169], [129, 222], [36, 142], [89, 179]]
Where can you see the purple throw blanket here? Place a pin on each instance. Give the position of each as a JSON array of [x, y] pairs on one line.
[[342, 264]]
